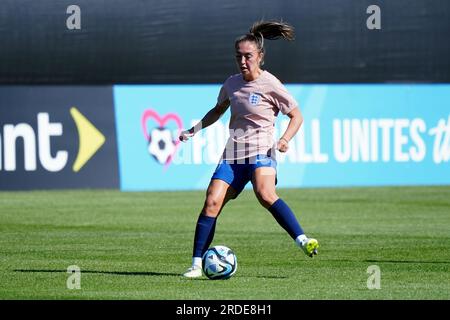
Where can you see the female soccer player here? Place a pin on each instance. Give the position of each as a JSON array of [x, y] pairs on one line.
[[256, 97]]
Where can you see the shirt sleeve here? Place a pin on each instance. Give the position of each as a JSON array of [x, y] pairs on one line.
[[223, 95], [283, 100]]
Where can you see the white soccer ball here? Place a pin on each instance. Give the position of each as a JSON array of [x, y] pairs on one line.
[[219, 262], [161, 145]]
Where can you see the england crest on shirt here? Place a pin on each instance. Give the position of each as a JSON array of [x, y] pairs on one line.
[[254, 98]]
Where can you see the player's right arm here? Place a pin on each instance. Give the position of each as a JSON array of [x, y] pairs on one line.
[[212, 116]]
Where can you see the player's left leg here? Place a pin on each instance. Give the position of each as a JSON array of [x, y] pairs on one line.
[[263, 180]]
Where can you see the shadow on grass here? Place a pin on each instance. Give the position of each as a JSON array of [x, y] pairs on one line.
[[116, 273], [128, 273], [406, 261]]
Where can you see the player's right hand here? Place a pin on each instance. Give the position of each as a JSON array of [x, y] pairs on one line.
[[185, 135]]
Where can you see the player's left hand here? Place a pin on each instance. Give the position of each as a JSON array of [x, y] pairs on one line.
[[282, 145]]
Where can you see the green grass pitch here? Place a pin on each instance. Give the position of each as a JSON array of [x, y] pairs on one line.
[[135, 245]]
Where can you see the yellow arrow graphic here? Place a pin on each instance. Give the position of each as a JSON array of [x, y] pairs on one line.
[[90, 139]]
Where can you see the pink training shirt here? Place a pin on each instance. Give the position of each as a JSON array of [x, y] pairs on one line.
[[254, 108]]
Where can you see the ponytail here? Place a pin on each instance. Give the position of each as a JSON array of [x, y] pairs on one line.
[[271, 30]]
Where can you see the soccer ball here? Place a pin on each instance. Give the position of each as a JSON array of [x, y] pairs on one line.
[[161, 145], [219, 262]]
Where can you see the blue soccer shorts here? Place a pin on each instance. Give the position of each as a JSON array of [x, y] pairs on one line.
[[237, 173]]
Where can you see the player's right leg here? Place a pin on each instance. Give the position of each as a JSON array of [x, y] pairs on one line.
[[218, 194]]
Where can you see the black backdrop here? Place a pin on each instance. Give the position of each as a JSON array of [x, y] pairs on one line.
[[191, 41]]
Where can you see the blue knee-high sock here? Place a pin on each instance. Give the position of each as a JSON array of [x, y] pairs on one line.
[[286, 218], [204, 234]]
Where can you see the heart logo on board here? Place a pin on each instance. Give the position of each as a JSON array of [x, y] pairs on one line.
[[161, 144]]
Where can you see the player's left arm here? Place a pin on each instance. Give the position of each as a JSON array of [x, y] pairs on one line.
[[294, 125]]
